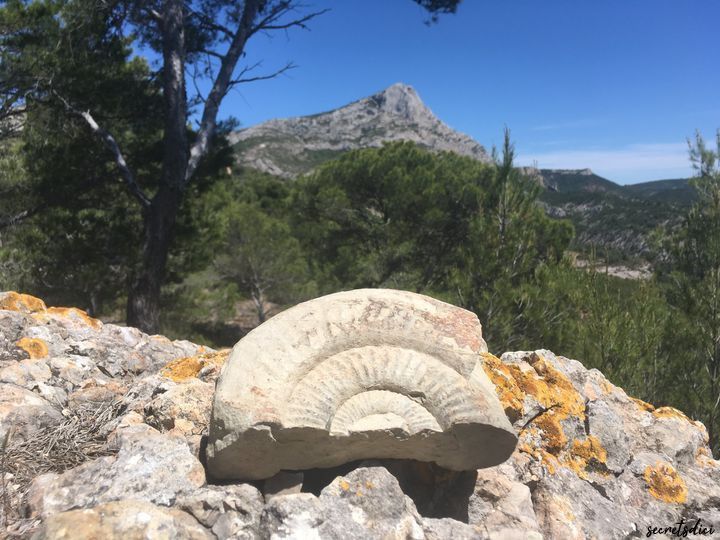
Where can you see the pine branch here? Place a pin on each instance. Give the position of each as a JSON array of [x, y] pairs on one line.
[[112, 145]]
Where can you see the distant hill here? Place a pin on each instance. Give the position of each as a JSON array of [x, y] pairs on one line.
[[677, 190], [610, 217], [573, 180], [293, 146]]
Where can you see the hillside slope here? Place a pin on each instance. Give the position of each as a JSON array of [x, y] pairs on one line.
[[612, 218]]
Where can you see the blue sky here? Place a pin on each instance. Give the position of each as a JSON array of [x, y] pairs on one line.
[[614, 85]]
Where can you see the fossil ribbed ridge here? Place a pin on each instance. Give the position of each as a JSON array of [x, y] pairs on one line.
[[371, 373]]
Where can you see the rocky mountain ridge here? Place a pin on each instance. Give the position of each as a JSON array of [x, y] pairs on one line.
[[133, 410], [292, 146]]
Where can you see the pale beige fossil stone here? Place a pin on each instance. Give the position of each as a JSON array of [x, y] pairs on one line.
[[370, 373]]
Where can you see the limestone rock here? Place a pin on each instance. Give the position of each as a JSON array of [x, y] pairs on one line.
[[24, 412], [591, 462], [370, 373], [75, 346], [126, 520], [597, 463], [283, 483], [184, 409], [367, 503], [231, 511], [442, 529], [26, 373], [501, 507], [296, 516], [149, 466]]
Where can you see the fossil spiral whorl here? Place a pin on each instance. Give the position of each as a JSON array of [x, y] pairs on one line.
[[370, 373]]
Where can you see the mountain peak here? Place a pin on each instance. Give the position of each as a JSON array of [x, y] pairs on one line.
[[293, 146], [401, 100]]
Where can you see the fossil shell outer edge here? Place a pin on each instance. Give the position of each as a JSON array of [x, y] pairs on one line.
[[369, 373]]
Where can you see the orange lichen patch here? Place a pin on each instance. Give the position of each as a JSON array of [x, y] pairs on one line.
[[587, 454], [14, 301], [182, 369], [553, 436], [670, 412], [553, 389], [556, 393], [560, 400], [76, 315], [644, 405], [607, 387], [704, 458], [548, 460], [506, 388], [665, 483], [344, 485], [35, 347]]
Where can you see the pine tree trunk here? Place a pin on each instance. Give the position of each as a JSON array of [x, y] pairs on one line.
[[143, 308]]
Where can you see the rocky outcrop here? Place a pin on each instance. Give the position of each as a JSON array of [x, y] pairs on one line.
[[293, 146], [370, 373], [591, 461]]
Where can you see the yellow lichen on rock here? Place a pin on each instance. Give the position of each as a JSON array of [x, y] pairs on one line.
[[553, 436], [182, 369], [506, 388], [75, 314], [587, 454], [670, 412], [35, 347], [548, 460], [644, 405], [665, 483], [607, 386], [14, 301], [547, 385], [553, 391], [557, 395], [704, 458]]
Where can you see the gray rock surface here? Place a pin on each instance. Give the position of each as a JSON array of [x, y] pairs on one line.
[[231, 511], [441, 529], [149, 466], [370, 373], [23, 412], [293, 146], [126, 520], [283, 483], [367, 503]]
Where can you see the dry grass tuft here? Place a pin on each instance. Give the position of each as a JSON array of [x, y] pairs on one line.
[[81, 437]]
